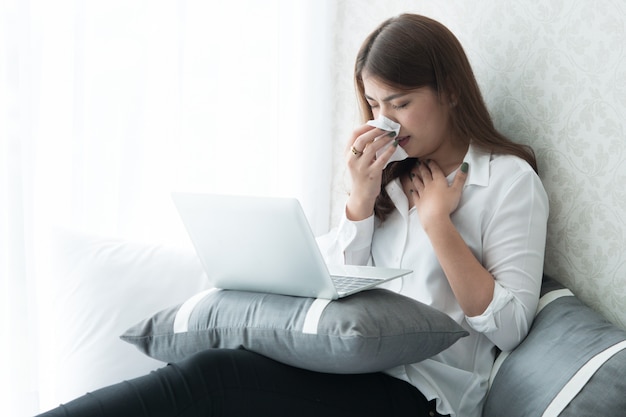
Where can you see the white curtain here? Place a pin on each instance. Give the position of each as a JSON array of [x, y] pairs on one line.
[[106, 107]]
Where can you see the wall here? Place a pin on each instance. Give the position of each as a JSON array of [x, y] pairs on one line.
[[554, 76]]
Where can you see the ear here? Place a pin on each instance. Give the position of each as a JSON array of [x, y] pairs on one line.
[[450, 93], [453, 100]]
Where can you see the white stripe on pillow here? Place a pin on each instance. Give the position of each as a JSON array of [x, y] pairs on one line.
[[543, 302], [181, 321], [551, 296], [580, 379], [313, 316]]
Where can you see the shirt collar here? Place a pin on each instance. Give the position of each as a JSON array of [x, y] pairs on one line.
[[478, 160], [396, 193]]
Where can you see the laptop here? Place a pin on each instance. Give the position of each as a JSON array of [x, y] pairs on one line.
[[265, 244]]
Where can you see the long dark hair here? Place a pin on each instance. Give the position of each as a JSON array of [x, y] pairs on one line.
[[411, 51]]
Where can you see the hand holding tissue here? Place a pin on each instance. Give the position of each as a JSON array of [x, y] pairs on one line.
[[390, 126]]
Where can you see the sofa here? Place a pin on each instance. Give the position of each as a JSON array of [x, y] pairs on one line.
[[572, 363]]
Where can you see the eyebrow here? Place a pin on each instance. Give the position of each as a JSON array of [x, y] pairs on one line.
[[388, 98]]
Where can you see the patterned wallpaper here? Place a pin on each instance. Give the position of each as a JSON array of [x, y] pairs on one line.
[[554, 76]]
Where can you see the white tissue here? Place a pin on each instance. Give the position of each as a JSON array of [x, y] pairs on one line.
[[385, 124], [390, 126]]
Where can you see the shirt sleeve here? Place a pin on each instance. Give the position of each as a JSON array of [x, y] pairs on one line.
[[350, 243], [513, 252]]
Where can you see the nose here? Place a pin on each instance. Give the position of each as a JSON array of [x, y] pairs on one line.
[[388, 111]]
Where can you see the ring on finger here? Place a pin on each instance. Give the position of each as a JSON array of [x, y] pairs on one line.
[[356, 152]]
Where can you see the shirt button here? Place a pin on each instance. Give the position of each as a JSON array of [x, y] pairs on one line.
[[431, 413]]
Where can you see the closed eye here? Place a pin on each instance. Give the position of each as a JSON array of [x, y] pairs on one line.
[[401, 106]]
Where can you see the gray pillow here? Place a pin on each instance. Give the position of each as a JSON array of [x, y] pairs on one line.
[[366, 332], [572, 363]]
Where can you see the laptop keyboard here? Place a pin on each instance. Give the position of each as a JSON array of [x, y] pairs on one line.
[[347, 284]]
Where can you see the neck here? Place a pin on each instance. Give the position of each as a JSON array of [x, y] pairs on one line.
[[450, 157]]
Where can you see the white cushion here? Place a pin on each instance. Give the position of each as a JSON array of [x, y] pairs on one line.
[[96, 288]]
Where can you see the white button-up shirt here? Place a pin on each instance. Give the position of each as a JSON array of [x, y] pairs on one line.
[[502, 217]]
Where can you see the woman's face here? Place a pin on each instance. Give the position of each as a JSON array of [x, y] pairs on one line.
[[424, 117]]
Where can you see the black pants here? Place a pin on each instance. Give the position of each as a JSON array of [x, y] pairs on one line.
[[241, 383]]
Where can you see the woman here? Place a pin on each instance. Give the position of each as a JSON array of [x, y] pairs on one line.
[[465, 211]]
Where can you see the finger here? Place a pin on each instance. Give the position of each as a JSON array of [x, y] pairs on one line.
[[375, 143], [381, 141], [460, 177], [356, 134], [417, 185], [416, 179], [424, 171], [435, 169]]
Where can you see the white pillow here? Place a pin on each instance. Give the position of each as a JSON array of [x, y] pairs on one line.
[[95, 289]]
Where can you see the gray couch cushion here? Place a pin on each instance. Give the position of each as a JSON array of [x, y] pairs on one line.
[[366, 332], [572, 363]]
